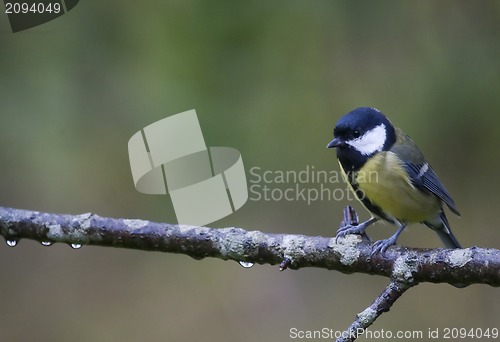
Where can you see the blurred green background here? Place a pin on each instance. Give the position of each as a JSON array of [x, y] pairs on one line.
[[269, 78]]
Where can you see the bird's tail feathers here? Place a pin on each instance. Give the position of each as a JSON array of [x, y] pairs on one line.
[[442, 228]]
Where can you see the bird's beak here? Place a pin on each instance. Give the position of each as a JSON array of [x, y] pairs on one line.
[[335, 143]]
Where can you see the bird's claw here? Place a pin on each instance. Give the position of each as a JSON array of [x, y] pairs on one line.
[[350, 229], [350, 224], [381, 246]]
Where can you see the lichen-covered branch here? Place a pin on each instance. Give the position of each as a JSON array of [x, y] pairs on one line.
[[382, 304], [405, 267], [351, 254]]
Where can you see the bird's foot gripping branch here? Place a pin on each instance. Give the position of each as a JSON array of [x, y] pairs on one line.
[[405, 267]]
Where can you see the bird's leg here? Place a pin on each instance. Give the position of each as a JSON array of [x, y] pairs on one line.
[[354, 228], [381, 245]]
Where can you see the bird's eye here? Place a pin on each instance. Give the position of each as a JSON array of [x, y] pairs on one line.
[[356, 133]]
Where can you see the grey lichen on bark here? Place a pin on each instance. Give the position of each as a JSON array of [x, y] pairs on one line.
[[405, 267]]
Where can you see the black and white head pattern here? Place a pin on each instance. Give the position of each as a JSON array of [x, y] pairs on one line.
[[366, 130]]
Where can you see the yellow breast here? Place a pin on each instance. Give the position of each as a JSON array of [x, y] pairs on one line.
[[384, 181]]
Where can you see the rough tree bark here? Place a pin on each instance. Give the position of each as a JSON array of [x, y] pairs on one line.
[[405, 267]]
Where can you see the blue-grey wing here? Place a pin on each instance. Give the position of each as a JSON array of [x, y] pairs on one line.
[[424, 178]]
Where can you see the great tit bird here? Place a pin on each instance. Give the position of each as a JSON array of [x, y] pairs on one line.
[[390, 176]]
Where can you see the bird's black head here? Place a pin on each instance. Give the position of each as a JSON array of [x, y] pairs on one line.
[[360, 134]]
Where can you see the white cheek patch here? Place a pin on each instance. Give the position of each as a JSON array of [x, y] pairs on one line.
[[370, 142]]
